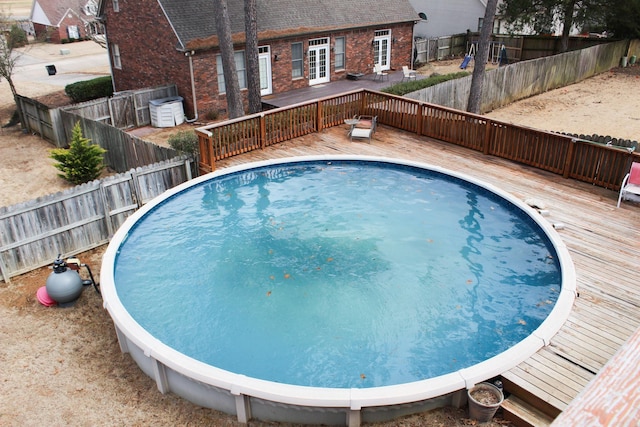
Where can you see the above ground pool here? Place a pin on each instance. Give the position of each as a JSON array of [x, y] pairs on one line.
[[334, 290]]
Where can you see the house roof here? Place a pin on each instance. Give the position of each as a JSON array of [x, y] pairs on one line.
[[194, 21], [52, 12]]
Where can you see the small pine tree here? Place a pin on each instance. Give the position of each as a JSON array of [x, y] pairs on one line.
[[82, 161]]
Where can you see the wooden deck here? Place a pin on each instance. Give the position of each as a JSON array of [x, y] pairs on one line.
[[603, 241]]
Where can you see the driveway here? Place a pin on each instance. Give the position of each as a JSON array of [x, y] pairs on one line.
[[73, 62]]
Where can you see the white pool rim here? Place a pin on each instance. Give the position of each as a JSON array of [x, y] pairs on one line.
[[161, 361]]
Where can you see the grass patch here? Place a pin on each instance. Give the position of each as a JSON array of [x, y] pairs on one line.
[[414, 85]]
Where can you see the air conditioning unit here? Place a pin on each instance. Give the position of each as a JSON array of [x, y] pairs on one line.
[[166, 112]]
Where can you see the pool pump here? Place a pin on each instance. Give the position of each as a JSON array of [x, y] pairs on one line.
[[64, 285]]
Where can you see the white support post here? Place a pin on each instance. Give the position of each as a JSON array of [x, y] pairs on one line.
[[160, 374], [459, 398], [243, 408], [122, 340], [354, 418]]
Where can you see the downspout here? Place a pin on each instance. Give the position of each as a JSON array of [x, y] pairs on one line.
[[413, 44], [193, 88]]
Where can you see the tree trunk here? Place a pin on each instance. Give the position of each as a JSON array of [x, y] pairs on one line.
[[480, 61], [251, 52], [14, 92], [223, 28], [567, 24]]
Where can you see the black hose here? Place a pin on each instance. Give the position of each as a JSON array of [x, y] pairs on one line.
[[96, 286]]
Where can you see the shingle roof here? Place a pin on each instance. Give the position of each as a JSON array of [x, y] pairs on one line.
[[194, 19], [52, 12]]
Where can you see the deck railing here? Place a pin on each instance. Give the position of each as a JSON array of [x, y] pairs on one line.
[[598, 164]]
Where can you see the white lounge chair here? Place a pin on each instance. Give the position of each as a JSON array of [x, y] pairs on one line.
[[630, 183], [407, 73], [379, 74], [364, 128]]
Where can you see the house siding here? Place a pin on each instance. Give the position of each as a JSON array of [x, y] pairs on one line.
[[359, 58], [149, 57], [57, 34], [147, 49], [445, 18]]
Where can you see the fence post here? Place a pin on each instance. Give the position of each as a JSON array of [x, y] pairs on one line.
[[39, 118], [263, 131], [135, 188], [420, 117], [569, 158], [319, 114], [3, 271], [363, 94], [135, 110], [105, 209], [486, 143], [187, 167], [113, 122]]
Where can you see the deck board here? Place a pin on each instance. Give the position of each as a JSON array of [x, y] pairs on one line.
[[602, 240]]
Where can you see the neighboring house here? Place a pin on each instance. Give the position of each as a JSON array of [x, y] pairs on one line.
[[58, 20], [445, 18], [301, 43]]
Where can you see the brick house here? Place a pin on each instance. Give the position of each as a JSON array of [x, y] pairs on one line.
[[301, 43], [59, 20]]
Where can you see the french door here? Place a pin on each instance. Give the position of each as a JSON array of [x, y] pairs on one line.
[[318, 61], [264, 64], [382, 49]]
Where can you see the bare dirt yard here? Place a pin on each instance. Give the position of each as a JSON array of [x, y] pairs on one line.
[[64, 366]]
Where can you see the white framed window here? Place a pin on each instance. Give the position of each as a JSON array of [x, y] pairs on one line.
[[241, 68], [72, 32], [116, 6], [339, 52], [91, 8], [115, 55], [297, 60]]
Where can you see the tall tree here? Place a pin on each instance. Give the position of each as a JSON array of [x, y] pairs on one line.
[[623, 18], [480, 60], [541, 15], [232, 86], [9, 57], [251, 52]]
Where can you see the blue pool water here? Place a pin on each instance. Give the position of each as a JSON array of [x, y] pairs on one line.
[[338, 274]]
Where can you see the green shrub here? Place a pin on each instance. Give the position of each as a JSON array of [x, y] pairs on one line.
[[212, 115], [17, 37], [81, 162], [185, 142], [87, 90], [414, 85]]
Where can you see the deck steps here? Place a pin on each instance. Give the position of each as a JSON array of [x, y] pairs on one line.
[[522, 414]]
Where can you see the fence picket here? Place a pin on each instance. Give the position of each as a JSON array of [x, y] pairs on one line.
[[81, 218]]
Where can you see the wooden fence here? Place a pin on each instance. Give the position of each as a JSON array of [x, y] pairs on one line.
[[570, 157], [124, 151], [505, 85], [32, 234], [437, 48], [39, 120], [519, 48], [123, 110]]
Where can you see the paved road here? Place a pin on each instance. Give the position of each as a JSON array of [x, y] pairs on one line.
[[79, 61], [84, 61]]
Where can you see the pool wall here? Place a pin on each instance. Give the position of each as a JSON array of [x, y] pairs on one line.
[[248, 398]]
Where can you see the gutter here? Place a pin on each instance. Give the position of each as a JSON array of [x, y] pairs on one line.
[[189, 55]]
